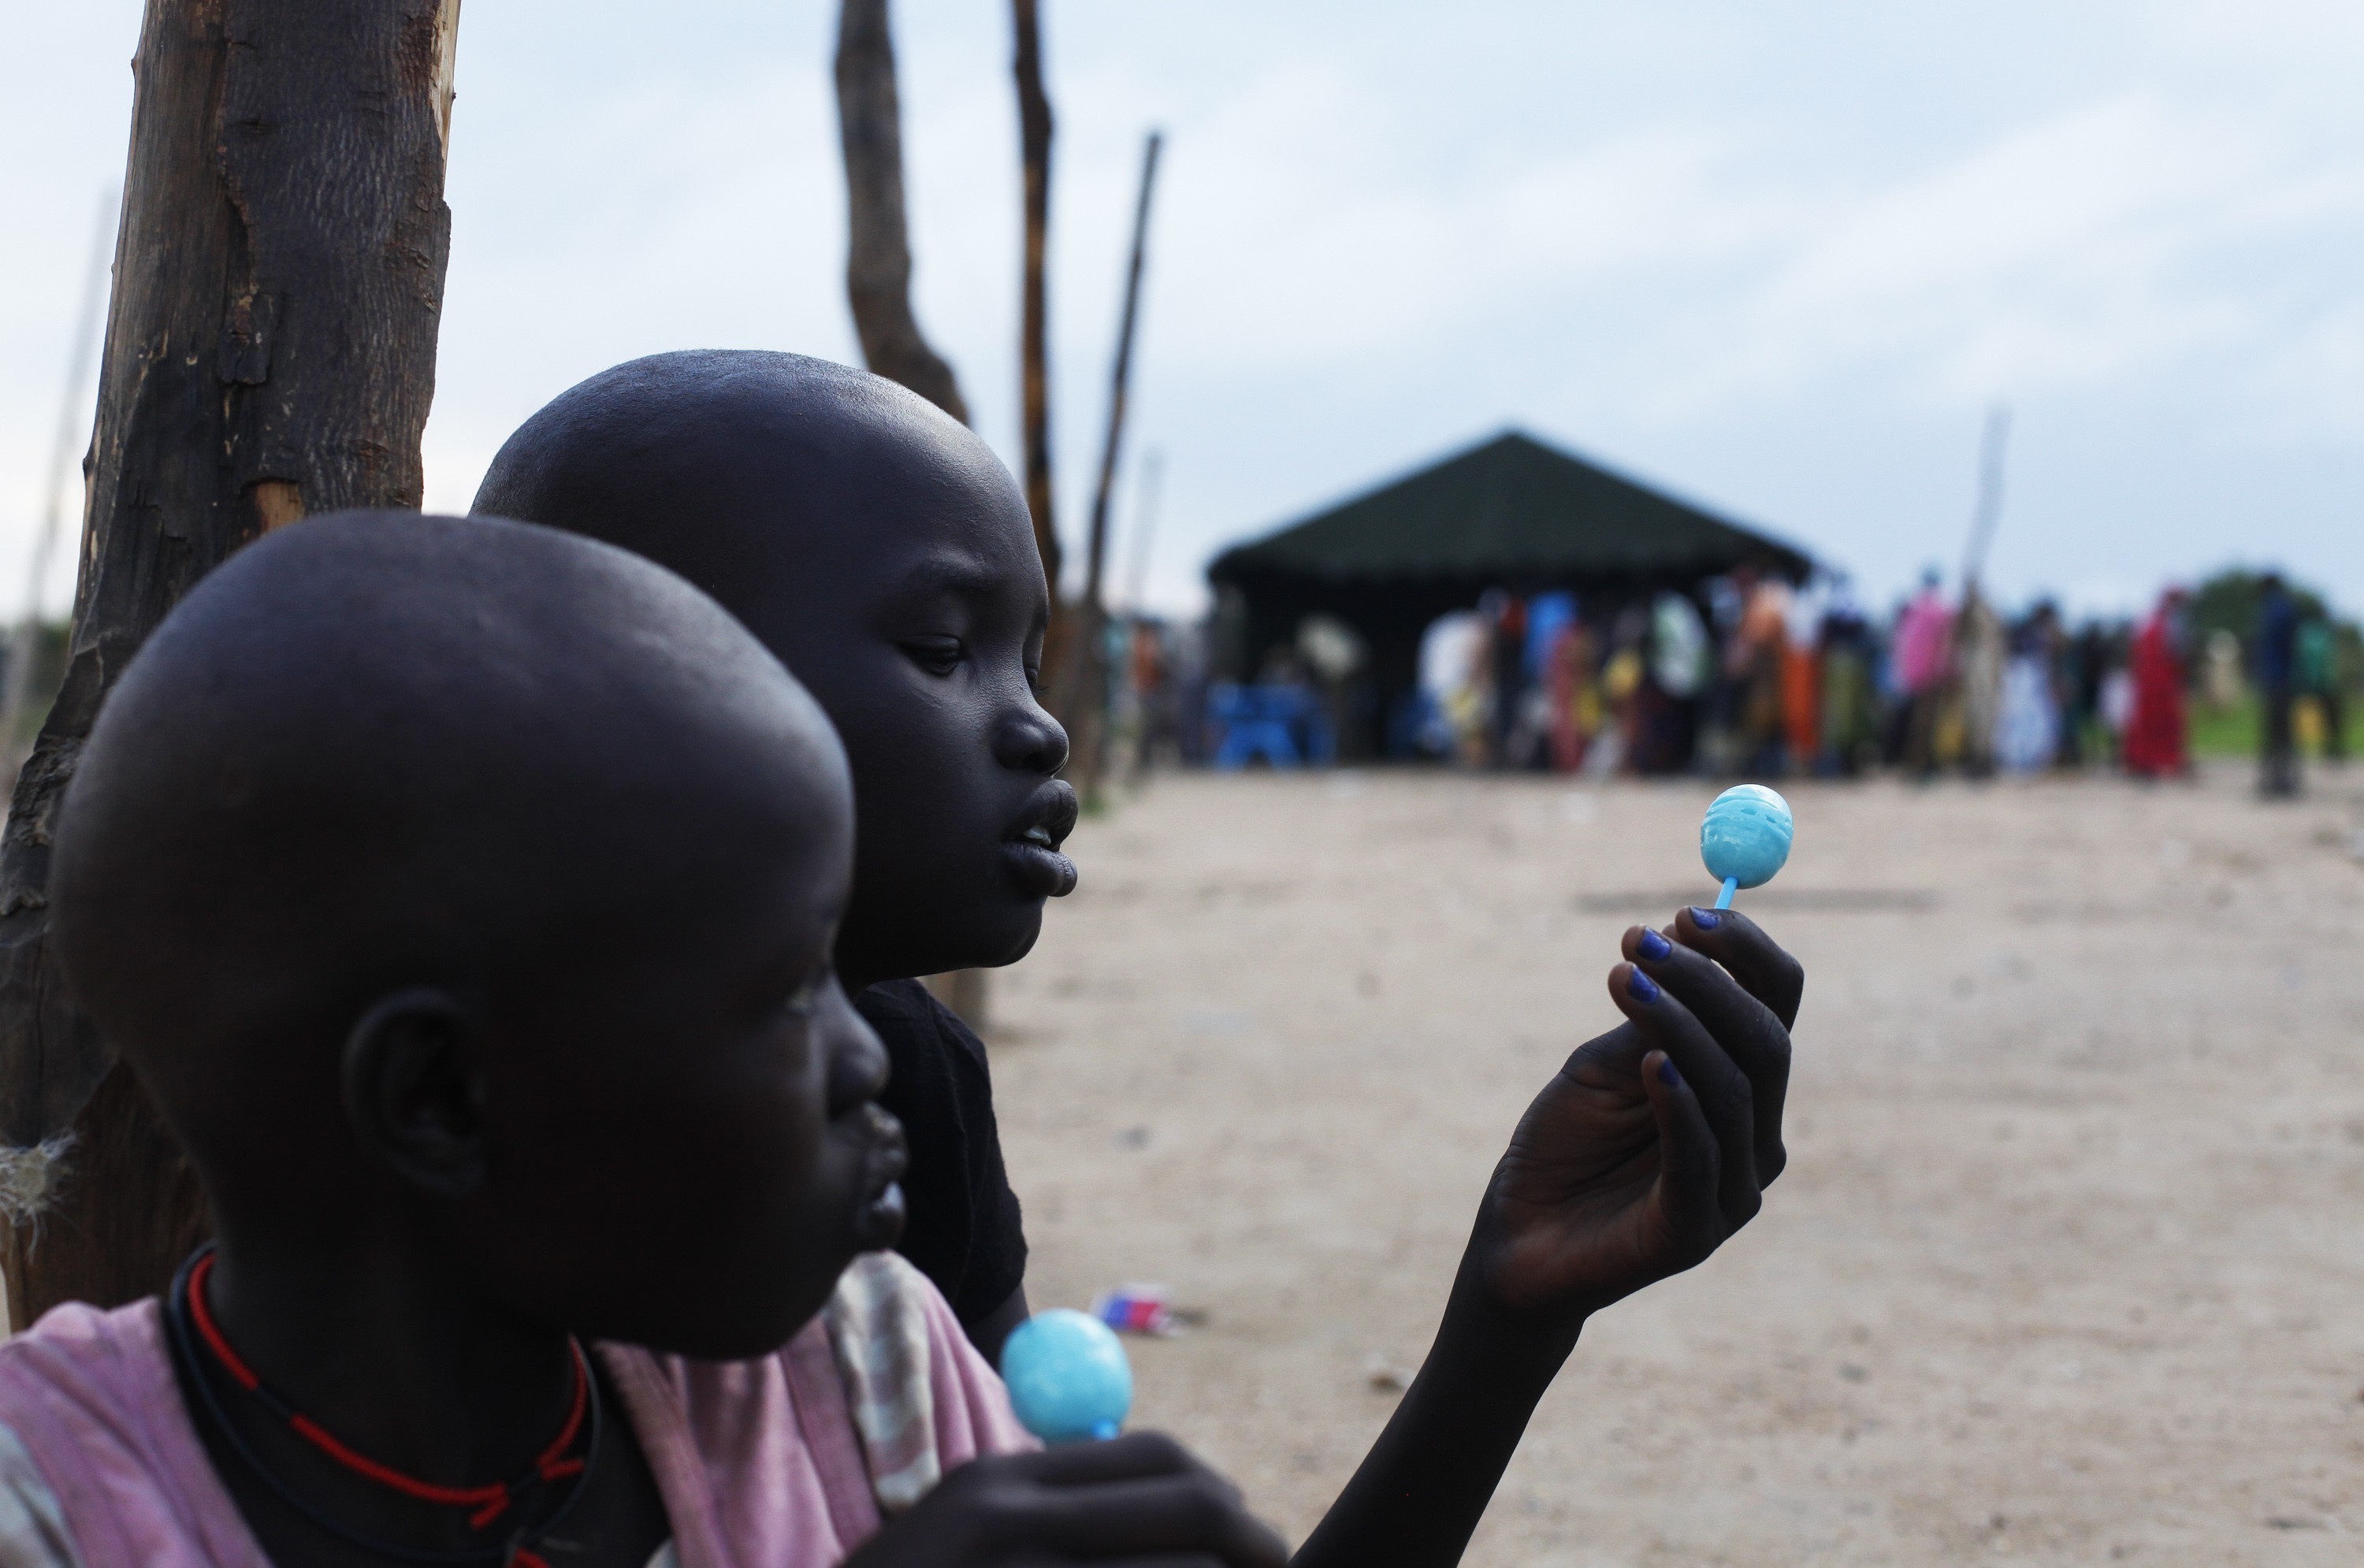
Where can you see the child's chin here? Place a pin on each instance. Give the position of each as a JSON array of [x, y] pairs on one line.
[[750, 1336], [1016, 929]]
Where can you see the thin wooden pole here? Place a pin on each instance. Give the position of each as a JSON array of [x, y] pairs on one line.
[[1084, 701], [1034, 328]]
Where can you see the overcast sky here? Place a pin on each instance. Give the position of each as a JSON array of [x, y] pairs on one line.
[[1777, 257]]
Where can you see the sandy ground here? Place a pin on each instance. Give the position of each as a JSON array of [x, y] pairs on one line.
[[2066, 1266]]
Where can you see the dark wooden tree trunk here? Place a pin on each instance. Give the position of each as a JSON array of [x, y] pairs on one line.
[[878, 249], [1034, 145], [269, 352]]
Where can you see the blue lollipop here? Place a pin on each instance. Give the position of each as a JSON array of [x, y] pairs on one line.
[[1745, 839], [1068, 1376]]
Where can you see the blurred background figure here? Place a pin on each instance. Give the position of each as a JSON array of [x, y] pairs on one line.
[[2028, 718], [2318, 681], [1506, 623], [1980, 647], [1681, 654], [2155, 728], [1542, 723], [2085, 663], [1801, 675], [1572, 687], [1922, 657], [2277, 667], [2117, 694], [1453, 686], [1752, 662], [1850, 692]]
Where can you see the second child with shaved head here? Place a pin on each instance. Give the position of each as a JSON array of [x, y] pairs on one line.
[[881, 550]]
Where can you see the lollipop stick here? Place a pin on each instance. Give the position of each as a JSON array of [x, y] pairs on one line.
[[1730, 887]]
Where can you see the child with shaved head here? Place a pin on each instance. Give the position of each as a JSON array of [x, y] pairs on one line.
[[466, 897], [880, 548]]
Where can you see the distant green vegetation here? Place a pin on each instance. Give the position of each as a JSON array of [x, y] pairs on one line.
[[2229, 602], [2234, 731]]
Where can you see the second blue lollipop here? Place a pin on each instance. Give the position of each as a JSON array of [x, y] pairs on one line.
[[1745, 838]]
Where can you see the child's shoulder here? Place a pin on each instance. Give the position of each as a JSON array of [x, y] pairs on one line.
[[98, 1462], [856, 1419], [83, 1375], [906, 1009]]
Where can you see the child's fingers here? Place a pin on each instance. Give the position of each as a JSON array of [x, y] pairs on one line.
[[1185, 1517], [1738, 943], [1127, 1458], [1745, 1028], [1142, 1497], [1723, 1094], [1690, 1162]]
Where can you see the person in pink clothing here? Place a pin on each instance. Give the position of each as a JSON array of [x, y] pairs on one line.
[[465, 896], [1923, 658]]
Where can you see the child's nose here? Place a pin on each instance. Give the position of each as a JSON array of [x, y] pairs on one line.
[[1030, 741], [857, 1061]]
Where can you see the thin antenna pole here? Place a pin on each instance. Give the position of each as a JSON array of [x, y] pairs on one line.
[[22, 647], [1989, 506], [1145, 525]]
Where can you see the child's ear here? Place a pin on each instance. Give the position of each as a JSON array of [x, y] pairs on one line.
[[414, 1087]]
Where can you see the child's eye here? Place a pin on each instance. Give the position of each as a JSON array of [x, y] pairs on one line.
[[800, 1001], [937, 655]]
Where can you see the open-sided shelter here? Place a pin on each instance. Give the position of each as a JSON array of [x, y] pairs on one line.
[[1510, 513]]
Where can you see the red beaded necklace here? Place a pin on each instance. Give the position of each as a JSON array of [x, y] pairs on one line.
[[486, 1504]]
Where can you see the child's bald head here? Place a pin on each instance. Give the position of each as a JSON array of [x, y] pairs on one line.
[[881, 550], [423, 867]]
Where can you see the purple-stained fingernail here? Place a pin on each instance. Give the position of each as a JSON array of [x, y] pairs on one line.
[[1653, 946], [1705, 919], [1644, 988], [1667, 1073]]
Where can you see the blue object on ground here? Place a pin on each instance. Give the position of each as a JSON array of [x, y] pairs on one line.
[[1745, 838], [1068, 1375]]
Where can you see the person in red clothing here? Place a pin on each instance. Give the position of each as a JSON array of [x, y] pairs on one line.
[[2154, 737]]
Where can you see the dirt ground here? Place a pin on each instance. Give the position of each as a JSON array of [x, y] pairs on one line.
[[2068, 1265]]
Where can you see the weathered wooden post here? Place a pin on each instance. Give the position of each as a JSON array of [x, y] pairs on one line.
[[269, 352], [878, 245]]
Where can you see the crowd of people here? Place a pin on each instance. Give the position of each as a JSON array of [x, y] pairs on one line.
[[1756, 676]]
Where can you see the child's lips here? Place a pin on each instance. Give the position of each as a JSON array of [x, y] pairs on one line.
[[881, 1221], [1033, 845], [1040, 869]]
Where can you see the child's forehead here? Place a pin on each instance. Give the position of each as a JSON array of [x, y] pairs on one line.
[[936, 566], [900, 540]]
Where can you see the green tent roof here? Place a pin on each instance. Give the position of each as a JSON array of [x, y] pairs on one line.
[[1509, 510]]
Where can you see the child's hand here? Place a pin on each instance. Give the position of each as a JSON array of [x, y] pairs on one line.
[[1651, 1145], [1140, 1500]]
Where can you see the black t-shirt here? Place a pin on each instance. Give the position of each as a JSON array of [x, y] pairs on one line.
[[962, 1228]]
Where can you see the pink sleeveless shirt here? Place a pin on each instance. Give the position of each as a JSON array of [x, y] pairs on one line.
[[783, 1463]]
